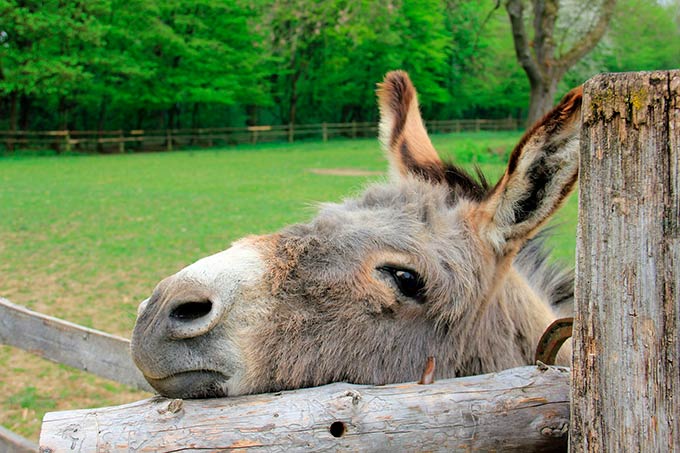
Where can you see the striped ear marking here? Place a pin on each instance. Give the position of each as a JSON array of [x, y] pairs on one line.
[[541, 173], [402, 132]]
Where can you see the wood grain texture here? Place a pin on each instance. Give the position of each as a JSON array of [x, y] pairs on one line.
[[63, 342], [523, 409], [626, 366]]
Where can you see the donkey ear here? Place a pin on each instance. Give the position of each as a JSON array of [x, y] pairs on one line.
[[402, 132], [541, 172]]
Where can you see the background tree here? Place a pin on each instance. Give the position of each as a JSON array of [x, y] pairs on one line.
[[553, 50], [152, 64], [46, 55], [642, 35]]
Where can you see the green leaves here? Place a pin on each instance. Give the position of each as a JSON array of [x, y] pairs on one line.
[[149, 64]]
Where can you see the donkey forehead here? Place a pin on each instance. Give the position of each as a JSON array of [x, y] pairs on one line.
[[414, 217]]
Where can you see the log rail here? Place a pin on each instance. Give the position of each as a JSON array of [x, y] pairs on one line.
[[522, 409]]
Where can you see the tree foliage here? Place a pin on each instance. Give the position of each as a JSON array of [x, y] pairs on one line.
[[110, 64]]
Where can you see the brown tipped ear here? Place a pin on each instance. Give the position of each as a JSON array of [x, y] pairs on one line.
[[402, 132], [542, 171]]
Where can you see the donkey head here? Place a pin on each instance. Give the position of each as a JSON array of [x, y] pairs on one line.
[[432, 263]]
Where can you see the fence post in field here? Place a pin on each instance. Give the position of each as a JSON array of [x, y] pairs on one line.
[[291, 132], [626, 365], [67, 141], [324, 132], [354, 129], [196, 138], [121, 143], [168, 139], [10, 141]]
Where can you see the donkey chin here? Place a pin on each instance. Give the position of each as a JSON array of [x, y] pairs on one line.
[[192, 384]]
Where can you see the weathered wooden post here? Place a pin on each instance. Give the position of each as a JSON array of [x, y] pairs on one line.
[[168, 139], [121, 142], [626, 369], [67, 141]]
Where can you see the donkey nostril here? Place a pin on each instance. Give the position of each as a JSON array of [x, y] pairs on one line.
[[189, 311], [192, 318]]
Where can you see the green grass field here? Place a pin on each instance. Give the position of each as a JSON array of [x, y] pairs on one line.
[[85, 238]]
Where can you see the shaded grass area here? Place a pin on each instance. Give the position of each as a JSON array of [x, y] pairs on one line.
[[85, 238]]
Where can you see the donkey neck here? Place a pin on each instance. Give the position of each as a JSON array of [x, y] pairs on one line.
[[506, 332]]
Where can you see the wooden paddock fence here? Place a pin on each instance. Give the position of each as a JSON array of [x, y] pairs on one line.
[[620, 394], [169, 139]]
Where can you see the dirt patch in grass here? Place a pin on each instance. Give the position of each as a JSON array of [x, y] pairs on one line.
[[344, 172]]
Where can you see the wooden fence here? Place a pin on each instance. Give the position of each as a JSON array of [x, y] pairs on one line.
[[626, 371], [168, 139], [63, 342]]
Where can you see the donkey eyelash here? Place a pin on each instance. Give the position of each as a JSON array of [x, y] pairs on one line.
[[408, 281]]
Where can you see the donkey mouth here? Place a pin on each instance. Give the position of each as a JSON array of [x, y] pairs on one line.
[[192, 384]]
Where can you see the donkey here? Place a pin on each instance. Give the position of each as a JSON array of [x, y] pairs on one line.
[[434, 262]]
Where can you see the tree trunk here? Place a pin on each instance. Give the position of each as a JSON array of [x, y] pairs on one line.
[[195, 115], [194, 124], [141, 114], [538, 56], [626, 364], [292, 108], [171, 118], [12, 120], [25, 112], [139, 125], [13, 101], [251, 112], [62, 112], [101, 118], [541, 99]]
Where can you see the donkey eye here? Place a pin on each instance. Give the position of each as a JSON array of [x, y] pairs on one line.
[[408, 281]]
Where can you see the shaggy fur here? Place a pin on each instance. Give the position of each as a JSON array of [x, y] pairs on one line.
[[331, 323], [326, 301]]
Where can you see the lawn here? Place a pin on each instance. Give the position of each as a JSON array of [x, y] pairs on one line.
[[85, 238]]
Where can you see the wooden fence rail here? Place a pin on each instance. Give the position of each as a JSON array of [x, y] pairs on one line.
[[66, 343], [523, 410], [11, 442], [169, 139], [63, 342]]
